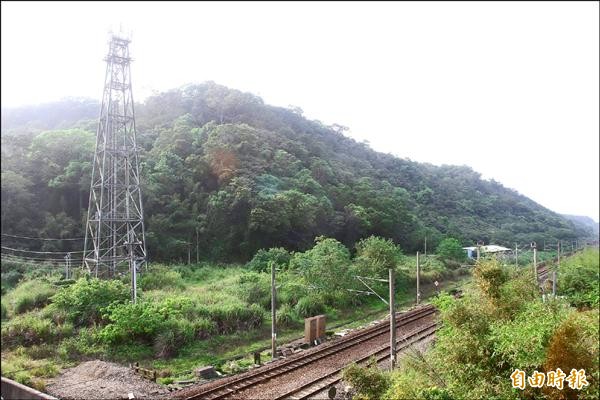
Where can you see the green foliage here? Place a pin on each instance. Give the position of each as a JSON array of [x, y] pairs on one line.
[[523, 342], [172, 336], [310, 306], [161, 277], [4, 312], [85, 298], [574, 345], [326, 266], [578, 279], [375, 255], [255, 288], [260, 261], [443, 301], [370, 383], [29, 295], [489, 276], [449, 250], [500, 325], [231, 318], [249, 176], [29, 329], [81, 346], [286, 316]]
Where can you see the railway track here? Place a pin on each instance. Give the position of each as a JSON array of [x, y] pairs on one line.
[[232, 385], [324, 382]]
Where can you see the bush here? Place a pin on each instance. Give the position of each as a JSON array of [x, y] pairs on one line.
[[261, 260], [326, 265], [173, 334], [579, 280], [83, 300], [291, 291], [30, 329], [131, 322], [161, 277], [310, 306], [286, 317], [255, 288], [204, 328], [11, 278], [450, 250], [574, 344], [523, 342], [375, 255], [370, 383], [30, 295], [83, 345], [231, 318]]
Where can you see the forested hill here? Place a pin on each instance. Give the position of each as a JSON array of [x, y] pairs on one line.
[[245, 176]]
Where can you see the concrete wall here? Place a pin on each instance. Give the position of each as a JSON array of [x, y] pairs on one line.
[[12, 390]]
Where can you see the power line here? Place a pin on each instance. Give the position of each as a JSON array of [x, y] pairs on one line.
[[41, 252], [40, 238]]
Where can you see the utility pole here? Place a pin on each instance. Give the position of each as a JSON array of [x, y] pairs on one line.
[[197, 248], [418, 275], [535, 276], [273, 313], [392, 321], [425, 247], [516, 255], [133, 269], [189, 253], [67, 265], [554, 274]]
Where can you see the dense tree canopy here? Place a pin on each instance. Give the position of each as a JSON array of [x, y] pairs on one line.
[[221, 167]]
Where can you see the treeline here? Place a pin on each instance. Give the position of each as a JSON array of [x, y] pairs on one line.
[[221, 168]]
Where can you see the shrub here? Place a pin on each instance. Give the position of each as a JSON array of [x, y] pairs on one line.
[[375, 255], [523, 341], [255, 288], [161, 277], [262, 258], [131, 322], [327, 265], [30, 329], [578, 279], [85, 298], [291, 291], [172, 335], [449, 250], [369, 383], [286, 317], [83, 345], [574, 344], [11, 278], [204, 328], [310, 306], [30, 295], [231, 318]]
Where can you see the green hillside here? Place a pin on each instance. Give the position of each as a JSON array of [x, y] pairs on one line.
[[221, 166]]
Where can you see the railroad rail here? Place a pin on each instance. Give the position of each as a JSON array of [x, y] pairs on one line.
[[247, 380], [381, 354]]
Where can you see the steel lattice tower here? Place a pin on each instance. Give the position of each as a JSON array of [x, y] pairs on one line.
[[115, 239]]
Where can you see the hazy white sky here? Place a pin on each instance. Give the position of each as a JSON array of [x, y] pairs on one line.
[[508, 88]]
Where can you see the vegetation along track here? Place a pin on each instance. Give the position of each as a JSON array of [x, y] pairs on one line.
[[542, 268], [228, 387]]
